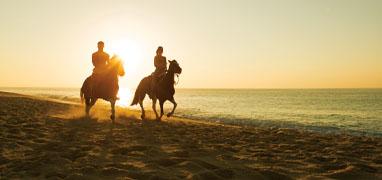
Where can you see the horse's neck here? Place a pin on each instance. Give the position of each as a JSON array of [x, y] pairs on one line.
[[169, 79], [110, 74], [112, 70]]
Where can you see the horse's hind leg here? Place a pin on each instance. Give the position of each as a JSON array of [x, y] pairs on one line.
[[89, 104], [142, 109], [173, 109], [112, 117]]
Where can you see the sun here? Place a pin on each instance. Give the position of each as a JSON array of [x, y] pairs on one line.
[[131, 55], [125, 97], [127, 50]]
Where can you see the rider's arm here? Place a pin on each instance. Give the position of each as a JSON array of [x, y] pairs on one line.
[[107, 58], [93, 60], [165, 61], [156, 63]]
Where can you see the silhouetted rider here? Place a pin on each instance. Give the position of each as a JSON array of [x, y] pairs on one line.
[[160, 64], [100, 59]]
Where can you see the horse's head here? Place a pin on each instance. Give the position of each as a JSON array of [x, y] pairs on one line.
[[116, 65], [174, 67]]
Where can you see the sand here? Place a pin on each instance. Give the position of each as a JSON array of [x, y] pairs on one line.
[[48, 139]]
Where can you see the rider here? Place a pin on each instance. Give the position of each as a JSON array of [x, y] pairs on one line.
[[160, 64], [99, 59]]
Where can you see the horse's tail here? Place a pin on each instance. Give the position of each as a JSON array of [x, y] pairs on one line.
[[82, 96], [84, 90], [136, 98], [141, 90]]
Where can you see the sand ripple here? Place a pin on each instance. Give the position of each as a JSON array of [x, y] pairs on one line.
[[45, 139]]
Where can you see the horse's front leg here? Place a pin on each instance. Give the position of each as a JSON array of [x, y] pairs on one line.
[[154, 108], [112, 117], [161, 108], [173, 109]]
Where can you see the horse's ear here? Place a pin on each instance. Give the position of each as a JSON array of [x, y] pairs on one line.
[[169, 61]]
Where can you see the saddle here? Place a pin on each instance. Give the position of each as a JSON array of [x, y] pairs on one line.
[[155, 80]]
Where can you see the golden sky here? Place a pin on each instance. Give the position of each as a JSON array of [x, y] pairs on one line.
[[218, 43]]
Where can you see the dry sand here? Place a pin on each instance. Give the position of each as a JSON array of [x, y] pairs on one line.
[[47, 139]]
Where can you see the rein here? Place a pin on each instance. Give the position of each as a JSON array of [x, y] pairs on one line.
[[177, 77]]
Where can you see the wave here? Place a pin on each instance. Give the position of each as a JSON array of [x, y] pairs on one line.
[[354, 111], [279, 123], [337, 121]]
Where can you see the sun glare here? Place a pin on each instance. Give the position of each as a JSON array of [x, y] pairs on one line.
[[125, 95], [128, 51], [131, 55]]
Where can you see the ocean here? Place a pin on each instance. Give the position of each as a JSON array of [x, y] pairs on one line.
[[327, 110]]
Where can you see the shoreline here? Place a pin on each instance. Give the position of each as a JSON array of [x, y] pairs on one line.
[[49, 139], [235, 121]]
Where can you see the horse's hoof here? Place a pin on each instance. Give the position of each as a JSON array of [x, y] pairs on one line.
[[169, 115]]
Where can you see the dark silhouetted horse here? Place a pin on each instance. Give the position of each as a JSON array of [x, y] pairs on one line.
[[104, 85], [164, 90]]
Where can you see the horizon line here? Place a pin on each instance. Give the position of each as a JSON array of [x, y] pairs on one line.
[[203, 88]]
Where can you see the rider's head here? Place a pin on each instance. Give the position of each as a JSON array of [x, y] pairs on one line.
[[160, 50], [100, 45]]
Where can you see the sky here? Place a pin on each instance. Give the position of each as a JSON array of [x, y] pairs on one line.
[[218, 43]]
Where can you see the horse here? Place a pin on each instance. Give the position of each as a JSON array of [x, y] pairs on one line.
[[104, 85], [164, 90]]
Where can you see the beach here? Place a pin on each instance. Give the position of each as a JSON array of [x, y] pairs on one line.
[[43, 138]]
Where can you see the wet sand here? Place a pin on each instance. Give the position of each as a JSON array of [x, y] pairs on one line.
[[42, 138]]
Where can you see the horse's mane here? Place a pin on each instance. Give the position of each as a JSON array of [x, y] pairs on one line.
[[114, 60]]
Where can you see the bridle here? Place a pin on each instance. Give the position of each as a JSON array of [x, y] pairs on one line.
[[177, 77]]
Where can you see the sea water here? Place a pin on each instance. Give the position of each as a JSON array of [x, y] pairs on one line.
[[334, 110]]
